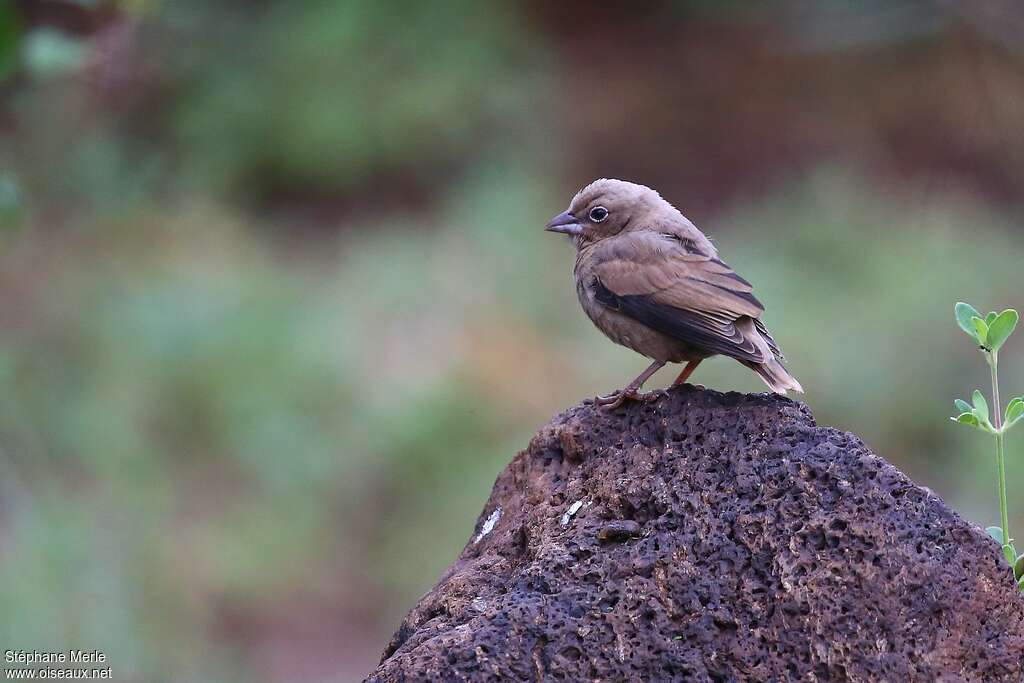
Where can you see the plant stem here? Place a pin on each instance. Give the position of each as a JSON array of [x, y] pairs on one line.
[[993, 362], [997, 415], [1002, 489]]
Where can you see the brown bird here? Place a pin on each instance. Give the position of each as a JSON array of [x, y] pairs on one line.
[[651, 281]]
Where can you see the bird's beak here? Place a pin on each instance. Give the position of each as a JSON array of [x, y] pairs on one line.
[[566, 223]]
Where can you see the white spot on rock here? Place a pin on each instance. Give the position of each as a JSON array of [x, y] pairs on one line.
[[571, 512], [489, 524]]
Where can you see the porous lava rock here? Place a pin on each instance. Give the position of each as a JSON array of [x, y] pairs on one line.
[[712, 537]]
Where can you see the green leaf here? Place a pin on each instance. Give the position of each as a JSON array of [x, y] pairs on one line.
[[980, 406], [996, 533], [990, 317], [962, 406], [1020, 583], [1001, 328], [1018, 568], [1014, 409], [982, 331], [964, 313], [967, 419], [1010, 554]]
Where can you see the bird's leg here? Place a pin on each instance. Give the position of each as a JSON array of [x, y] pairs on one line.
[[687, 371], [632, 389]]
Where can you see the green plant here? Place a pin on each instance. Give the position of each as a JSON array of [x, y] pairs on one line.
[[991, 332]]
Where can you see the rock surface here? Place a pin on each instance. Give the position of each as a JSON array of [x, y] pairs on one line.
[[712, 537]]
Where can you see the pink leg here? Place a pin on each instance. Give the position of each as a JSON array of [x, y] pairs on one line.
[[632, 389], [687, 371]]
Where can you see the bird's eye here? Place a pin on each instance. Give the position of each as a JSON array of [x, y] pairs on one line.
[[598, 214]]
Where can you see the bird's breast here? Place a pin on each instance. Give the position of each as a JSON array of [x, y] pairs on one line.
[[626, 331]]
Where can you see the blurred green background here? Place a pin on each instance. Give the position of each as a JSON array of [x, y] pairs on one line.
[[276, 305]]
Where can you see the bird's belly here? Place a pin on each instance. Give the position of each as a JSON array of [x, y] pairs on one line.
[[624, 330]]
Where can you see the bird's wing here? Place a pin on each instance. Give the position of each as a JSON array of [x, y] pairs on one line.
[[658, 280]]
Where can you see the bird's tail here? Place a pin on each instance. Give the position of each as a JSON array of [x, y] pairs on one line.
[[775, 375]]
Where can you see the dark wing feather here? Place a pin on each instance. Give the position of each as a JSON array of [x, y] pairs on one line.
[[686, 326], [694, 298]]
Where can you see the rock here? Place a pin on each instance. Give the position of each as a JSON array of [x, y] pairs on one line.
[[742, 543], [618, 530]]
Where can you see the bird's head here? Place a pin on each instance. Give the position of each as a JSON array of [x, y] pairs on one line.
[[605, 208]]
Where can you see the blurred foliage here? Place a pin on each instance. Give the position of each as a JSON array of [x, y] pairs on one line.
[[10, 33], [280, 306], [49, 53], [307, 99], [382, 87], [10, 203]]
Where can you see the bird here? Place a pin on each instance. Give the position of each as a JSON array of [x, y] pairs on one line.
[[651, 281]]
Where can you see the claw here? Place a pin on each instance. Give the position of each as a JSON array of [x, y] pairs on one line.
[[616, 399], [631, 392]]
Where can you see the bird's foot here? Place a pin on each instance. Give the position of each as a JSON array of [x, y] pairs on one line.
[[616, 399]]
